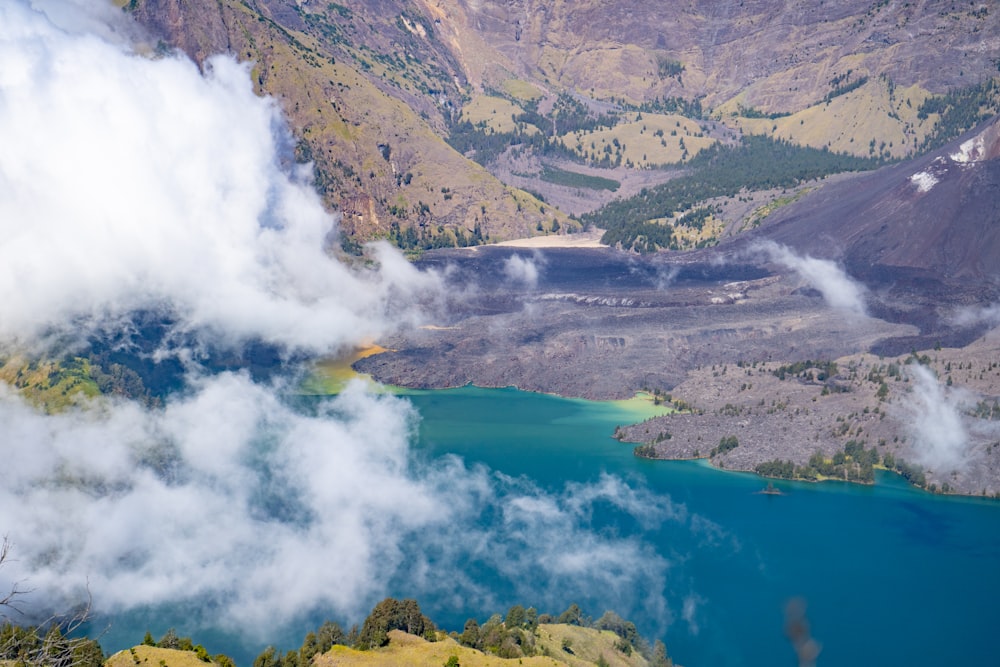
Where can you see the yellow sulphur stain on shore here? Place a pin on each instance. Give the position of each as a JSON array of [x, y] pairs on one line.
[[332, 374], [644, 404]]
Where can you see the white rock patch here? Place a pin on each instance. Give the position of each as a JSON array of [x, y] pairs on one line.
[[970, 151], [924, 181]]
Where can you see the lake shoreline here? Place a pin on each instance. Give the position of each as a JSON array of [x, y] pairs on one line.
[[643, 416]]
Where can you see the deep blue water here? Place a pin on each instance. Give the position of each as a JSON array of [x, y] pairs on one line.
[[891, 575]]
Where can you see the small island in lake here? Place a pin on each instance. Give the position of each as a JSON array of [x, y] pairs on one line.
[[771, 490]]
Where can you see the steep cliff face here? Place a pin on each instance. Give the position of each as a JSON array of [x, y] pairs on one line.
[[369, 90], [778, 55], [198, 29]]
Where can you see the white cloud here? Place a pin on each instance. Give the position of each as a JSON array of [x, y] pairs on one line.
[[933, 419], [102, 19], [650, 510], [225, 495], [837, 288], [523, 271], [689, 612], [665, 276], [127, 182], [229, 499], [972, 315]]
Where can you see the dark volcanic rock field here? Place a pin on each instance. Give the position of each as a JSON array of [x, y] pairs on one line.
[[602, 324]]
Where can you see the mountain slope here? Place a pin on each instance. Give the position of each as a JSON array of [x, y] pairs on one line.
[[930, 223], [776, 55], [573, 101], [367, 94]]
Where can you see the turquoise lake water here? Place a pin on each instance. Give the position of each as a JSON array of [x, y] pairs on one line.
[[891, 575]]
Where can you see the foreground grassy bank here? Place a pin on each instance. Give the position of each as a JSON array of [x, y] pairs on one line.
[[395, 633]]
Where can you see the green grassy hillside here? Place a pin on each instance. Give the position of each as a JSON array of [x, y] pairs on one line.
[[154, 656], [559, 645], [397, 633], [410, 112]]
